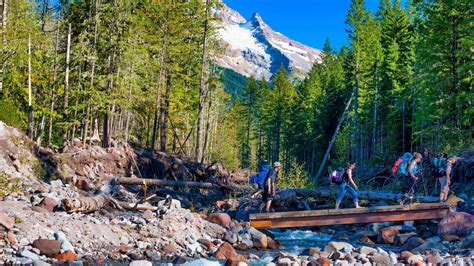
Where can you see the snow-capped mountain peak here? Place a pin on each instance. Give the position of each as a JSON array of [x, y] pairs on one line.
[[253, 48]]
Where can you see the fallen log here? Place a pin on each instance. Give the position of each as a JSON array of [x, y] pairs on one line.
[[89, 204], [178, 183], [369, 195]]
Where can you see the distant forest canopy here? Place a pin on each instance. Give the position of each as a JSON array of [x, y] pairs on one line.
[[143, 71]]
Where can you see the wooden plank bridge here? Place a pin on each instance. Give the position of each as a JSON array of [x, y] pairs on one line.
[[417, 211]]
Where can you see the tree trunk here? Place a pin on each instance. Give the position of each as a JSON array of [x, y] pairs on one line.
[[403, 125], [66, 81], [157, 105], [30, 105], [333, 139], [4, 37], [165, 106], [53, 89], [199, 152], [355, 134]]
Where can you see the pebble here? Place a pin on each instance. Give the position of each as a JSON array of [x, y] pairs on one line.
[[28, 254], [140, 263]]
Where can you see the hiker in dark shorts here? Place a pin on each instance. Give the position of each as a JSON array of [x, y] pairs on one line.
[[411, 178], [269, 187], [445, 180], [346, 184]]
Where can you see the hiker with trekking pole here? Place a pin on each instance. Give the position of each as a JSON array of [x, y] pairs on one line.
[[407, 170]]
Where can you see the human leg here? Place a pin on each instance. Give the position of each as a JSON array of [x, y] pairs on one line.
[[355, 196], [342, 192]]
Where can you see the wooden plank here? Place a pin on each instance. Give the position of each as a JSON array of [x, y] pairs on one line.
[[350, 216]]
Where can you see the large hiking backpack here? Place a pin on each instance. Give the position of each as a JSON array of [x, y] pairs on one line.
[[335, 177], [404, 160]]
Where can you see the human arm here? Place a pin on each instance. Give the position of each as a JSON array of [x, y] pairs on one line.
[[351, 181], [448, 174], [410, 170]]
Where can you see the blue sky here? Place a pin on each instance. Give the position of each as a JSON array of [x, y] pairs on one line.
[[307, 21]]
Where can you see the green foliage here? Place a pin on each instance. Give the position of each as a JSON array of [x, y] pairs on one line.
[[8, 185], [296, 177], [11, 115]]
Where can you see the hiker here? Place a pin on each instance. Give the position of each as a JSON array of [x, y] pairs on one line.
[[346, 184], [445, 180], [269, 187], [411, 178]]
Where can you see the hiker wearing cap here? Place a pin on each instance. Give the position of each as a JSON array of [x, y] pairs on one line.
[[269, 187], [411, 178], [445, 180], [346, 184]]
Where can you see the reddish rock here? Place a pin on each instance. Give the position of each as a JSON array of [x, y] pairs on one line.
[[68, 255], [48, 204], [434, 259], [169, 249], [413, 243], [100, 260], [226, 251], [11, 237], [47, 247], [273, 244], [261, 242], [450, 238], [236, 261], [324, 261], [123, 250], [148, 215], [405, 255], [222, 219], [83, 184], [242, 246], [208, 244], [380, 259], [312, 251], [6, 221], [420, 263], [456, 223], [220, 203], [387, 235]]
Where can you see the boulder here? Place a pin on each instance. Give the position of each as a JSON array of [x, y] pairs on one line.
[[6, 221], [48, 247], [140, 263], [237, 262], [226, 251], [324, 261], [405, 255], [450, 238], [169, 249], [273, 244], [375, 227], [429, 246], [456, 223], [400, 239], [387, 235], [363, 238], [434, 259], [412, 243], [367, 250], [414, 259], [48, 204], [66, 256], [311, 251], [338, 246], [222, 219], [382, 259], [468, 242]]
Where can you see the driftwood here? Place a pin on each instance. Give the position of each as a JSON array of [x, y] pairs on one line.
[[177, 183], [89, 204]]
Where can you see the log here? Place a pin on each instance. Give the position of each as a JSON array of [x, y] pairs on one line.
[[165, 183], [369, 195], [89, 204], [178, 183]]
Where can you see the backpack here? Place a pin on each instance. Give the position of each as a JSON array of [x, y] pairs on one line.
[[335, 177], [405, 159]]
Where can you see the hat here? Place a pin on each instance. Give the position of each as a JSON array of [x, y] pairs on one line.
[[276, 164]]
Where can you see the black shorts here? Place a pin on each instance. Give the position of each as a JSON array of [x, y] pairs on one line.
[[266, 196]]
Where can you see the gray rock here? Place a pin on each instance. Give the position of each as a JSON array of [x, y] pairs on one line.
[[429, 245], [393, 257], [28, 254], [40, 263], [188, 216], [154, 256], [65, 244], [140, 263], [435, 239], [375, 227], [56, 184], [284, 261], [367, 250], [414, 259], [22, 261], [339, 246]]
